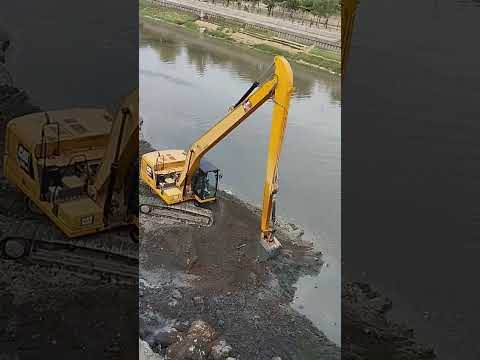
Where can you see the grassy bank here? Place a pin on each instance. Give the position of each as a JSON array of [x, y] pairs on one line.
[[262, 41], [170, 16]]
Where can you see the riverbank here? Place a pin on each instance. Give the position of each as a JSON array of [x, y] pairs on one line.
[[262, 41], [209, 293], [218, 277]]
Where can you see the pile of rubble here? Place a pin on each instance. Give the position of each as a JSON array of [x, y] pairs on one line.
[[198, 342], [14, 103], [368, 334]]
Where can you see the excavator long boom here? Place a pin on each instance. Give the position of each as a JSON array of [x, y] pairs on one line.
[[122, 139], [221, 129], [279, 88], [121, 150], [349, 8]]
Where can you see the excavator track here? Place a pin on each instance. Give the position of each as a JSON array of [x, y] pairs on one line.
[[31, 237], [184, 213]]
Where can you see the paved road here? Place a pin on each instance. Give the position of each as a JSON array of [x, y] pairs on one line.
[[327, 35]]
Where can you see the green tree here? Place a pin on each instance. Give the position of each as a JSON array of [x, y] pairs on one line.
[[318, 9], [292, 6], [270, 5], [331, 8], [306, 6], [254, 4]]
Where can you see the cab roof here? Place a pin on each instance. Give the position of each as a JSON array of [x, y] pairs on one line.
[[207, 166], [74, 124]]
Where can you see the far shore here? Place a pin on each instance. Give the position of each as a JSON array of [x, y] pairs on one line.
[[311, 56]]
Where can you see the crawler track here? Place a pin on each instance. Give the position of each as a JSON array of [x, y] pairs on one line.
[[184, 213], [33, 238]]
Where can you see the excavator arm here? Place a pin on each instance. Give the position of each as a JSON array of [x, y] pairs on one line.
[[221, 129], [279, 88], [120, 154], [349, 8]]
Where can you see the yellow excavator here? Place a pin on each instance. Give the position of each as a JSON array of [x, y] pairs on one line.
[[177, 176], [79, 167]]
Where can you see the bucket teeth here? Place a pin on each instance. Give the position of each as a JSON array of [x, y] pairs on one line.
[[272, 246]]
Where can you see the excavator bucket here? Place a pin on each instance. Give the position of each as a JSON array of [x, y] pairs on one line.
[[272, 246]]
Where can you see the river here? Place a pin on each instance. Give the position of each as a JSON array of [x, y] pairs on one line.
[[187, 83], [410, 186]]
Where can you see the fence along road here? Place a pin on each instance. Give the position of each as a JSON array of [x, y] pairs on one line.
[[324, 38]]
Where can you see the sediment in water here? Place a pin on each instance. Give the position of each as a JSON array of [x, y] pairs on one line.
[[219, 275]]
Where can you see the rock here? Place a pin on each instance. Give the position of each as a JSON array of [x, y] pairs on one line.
[[293, 226], [195, 345], [176, 294], [145, 332], [182, 325], [198, 300], [364, 312], [276, 358], [146, 353], [220, 350], [296, 234], [165, 337]]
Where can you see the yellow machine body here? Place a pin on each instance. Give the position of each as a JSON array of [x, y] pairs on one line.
[[83, 133], [160, 169], [61, 161]]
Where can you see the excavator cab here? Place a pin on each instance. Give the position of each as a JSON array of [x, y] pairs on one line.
[[205, 182]]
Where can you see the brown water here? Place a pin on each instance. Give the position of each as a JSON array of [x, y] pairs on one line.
[[187, 83], [410, 193]]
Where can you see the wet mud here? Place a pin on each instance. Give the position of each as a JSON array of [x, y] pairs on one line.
[[221, 276]]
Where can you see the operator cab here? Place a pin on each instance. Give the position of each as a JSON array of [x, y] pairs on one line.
[[205, 182]]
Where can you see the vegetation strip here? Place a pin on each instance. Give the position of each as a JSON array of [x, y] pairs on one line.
[[260, 40]]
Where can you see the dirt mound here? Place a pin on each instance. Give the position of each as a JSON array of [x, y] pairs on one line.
[[46, 311], [222, 276], [366, 332]]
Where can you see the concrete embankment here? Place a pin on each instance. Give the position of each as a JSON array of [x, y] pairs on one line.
[[242, 35], [304, 34]]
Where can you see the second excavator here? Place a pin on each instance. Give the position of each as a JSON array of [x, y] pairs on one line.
[[349, 9], [79, 167], [178, 176]]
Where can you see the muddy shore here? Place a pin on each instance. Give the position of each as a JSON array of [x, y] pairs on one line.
[[220, 275], [45, 311]]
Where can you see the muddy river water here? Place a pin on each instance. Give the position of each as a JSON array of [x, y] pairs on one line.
[[188, 82]]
